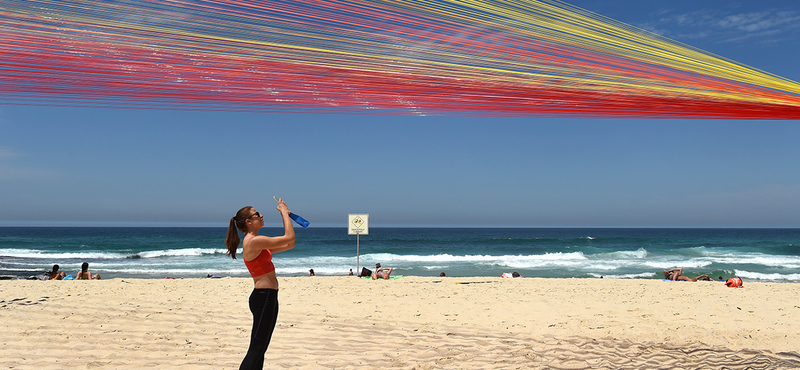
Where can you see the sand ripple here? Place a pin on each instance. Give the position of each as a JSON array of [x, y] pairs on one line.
[[414, 323], [420, 349]]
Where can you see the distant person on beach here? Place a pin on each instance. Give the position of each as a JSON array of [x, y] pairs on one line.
[[55, 275], [351, 272], [677, 274], [381, 272], [257, 253], [85, 274], [311, 272], [442, 274]]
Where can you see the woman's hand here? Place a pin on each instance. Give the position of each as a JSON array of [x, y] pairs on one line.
[[282, 207]]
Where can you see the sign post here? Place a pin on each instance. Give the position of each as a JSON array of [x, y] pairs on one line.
[[358, 224]]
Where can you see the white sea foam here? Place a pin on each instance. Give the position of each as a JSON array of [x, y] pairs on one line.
[[322, 270], [176, 272], [336, 265], [574, 260], [39, 254], [436, 267], [760, 259], [623, 276], [315, 260], [566, 260], [186, 252], [766, 277], [577, 261], [672, 262], [639, 253], [482, 259], [783, 261]]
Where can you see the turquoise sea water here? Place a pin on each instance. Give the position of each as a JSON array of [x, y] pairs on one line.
[[753, 254]]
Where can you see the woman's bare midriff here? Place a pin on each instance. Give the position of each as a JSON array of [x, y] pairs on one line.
[[266, 281]]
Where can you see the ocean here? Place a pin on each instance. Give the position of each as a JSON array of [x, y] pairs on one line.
[[771, 255]]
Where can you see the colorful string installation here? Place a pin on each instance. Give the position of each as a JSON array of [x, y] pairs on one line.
[[426, 57]]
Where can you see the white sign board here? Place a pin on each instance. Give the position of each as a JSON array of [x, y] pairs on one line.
[[357, 224]]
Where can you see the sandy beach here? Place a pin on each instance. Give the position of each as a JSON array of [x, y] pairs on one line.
[[408, 323]]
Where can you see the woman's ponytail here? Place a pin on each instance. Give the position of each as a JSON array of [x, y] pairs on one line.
[[232, 241]]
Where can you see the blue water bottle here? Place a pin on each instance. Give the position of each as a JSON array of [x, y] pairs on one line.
[[296, 218], [299, 220]]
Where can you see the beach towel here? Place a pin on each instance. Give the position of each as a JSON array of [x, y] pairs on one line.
[[390, 277]]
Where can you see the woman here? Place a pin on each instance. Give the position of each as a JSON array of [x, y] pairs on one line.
[[677, 274], [55, 275], [85, 274], [381, 273], [257, 253]]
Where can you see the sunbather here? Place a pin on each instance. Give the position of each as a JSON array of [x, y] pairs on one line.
[[85, 274], [677, 274], [55, 275], [381, 272]]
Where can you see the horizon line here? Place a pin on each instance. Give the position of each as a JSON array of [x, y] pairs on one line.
[[149, 224]]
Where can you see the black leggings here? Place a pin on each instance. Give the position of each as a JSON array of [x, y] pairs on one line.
[[264, 306]]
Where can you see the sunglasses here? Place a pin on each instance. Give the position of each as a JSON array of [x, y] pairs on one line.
[[255, 214]]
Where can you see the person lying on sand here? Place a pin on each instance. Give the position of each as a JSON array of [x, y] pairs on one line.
[[381, 273], [677, 274]]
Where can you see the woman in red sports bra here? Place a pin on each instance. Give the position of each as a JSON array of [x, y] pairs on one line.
[[257, 253]]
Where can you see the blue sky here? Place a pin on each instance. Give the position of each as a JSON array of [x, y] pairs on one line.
[[100, 167]]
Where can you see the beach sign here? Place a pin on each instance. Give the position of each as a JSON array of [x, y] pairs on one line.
[[358, 224]]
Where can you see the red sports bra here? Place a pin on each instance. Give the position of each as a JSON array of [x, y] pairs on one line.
[[260, 265]]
